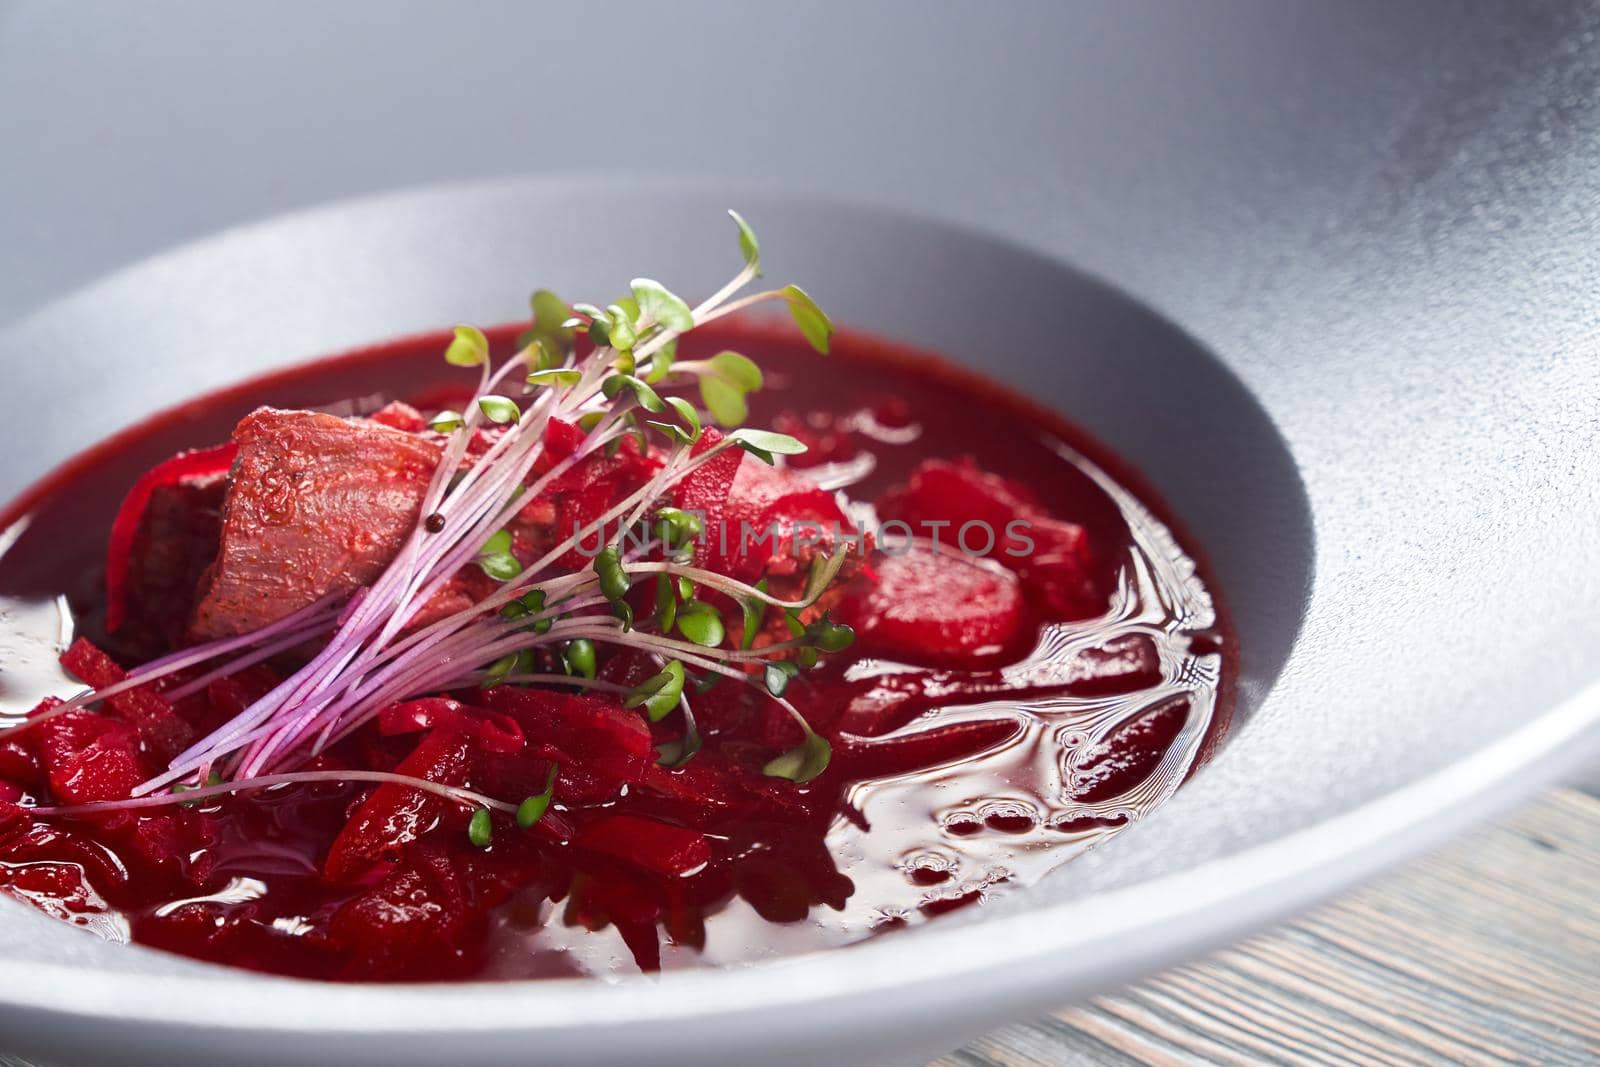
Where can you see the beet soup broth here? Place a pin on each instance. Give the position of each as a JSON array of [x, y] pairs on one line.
[[996, 714]]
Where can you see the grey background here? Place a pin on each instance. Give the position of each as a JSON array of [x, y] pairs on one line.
[[1138, 139]]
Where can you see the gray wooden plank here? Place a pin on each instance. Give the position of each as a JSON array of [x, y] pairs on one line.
[[1486, 952]]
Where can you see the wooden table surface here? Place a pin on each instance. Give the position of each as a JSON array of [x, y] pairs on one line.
[[1487, 952]]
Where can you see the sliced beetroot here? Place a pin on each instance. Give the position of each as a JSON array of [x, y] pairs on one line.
[[414, 716], [908, 753], [561, 439], [774, 522], [877, 704], [395, 815], [586, 726], [660, 848], [939, 606], [588, 490], [412, 924], [20, 763], [1053, 557], [161, 728], [198, 466], [1129, 754], [706, 490], [318, 505], [89, 757]]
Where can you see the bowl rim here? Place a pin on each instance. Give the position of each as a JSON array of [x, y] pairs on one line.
[[1040, 956]]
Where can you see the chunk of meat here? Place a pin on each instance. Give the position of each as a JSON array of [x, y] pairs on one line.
[[318, 505], [164, 536]]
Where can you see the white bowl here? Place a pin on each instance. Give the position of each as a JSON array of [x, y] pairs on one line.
[[1412, 587]]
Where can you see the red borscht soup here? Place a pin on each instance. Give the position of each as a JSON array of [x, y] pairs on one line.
[[632, 639]]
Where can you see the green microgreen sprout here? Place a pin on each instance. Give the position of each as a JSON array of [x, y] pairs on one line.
[[581, 658], [662, 306], [725, 380], [803, 762], [659, 693], [548, 330], [748, 244], [532, 809], [701, 623], [666, 604], [614, 583], [495, 558], [813, 322], [446, 422], [468, 348], [480, 828], [499, 410], [755, 612], [764, 444]]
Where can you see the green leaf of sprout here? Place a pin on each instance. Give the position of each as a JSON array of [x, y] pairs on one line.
[[580, 657], [499, 670], [532, 810], [499, 542], [658, 693], [803, 762], [725, 379], [662, 305], [678, 527], [675, 753], [661, 361], [830, 636], [811, 319], [623, 611], [701, 623], [469, 348], [627, 307], [608, 567], [445, 422], [755, 611], [550, 314], [560, 376], [666, 604], [647, 397], [686, 412], [748, 246], [671, 431], [824, 569], [501, 566], [480, 828], [763, 444], [777, 675], [724, 401], [499, 409], [737, 369], [621, 332]]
